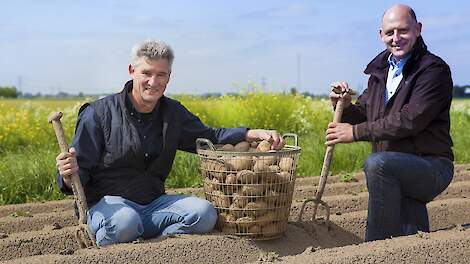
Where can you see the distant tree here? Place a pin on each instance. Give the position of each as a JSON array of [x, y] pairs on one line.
[[461, 91], [293, 91], [8, 92]]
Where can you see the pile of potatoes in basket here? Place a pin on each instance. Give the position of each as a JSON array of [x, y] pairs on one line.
[[252, 191]]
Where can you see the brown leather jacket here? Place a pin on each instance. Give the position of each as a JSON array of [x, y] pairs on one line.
[[416, 119]]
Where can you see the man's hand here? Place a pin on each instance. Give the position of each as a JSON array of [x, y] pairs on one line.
[[339, 133], [67, 165], [334, 97], [270, 135]]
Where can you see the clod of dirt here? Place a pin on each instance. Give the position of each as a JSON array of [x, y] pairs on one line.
[[3, 235], [422, 234], [311, 249], [268, 257], [67, 251]]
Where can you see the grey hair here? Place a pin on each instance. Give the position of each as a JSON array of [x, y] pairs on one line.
[[152, 50]]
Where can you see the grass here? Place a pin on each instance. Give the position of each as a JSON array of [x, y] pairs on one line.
[[28, 145]]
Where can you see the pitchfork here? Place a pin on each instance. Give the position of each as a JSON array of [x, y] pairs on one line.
[[83, 233], [326, 162]]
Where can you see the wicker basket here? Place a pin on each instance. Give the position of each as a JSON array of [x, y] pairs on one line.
[[252, 191]]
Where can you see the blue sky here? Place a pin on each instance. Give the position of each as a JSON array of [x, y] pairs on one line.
[[220, 46]]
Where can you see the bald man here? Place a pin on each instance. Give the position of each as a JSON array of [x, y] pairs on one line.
[[404, 113]]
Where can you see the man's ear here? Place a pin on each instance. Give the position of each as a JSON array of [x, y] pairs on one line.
[[419, 27], [380, 33], [131, 69]]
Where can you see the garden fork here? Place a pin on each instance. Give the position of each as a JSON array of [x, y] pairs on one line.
[[326, 162], [84, 236]]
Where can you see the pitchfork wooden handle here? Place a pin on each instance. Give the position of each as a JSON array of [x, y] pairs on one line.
[[59, 131], [77, 187]]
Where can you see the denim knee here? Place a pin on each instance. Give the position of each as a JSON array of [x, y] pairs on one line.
[[125, 225], [202, 218], [374, 165]]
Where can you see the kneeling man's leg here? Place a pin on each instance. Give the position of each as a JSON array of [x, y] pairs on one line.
[[114, 220], [400, 185], [179, 214]]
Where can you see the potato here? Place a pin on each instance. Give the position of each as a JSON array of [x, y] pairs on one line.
[[242, 147], [245, 222], [255, 209], [267, 174], [286, 163], [236, 211], [215, 169], [220, 199], [281, 188], [239, 163], [227, 147], [254, 144], [264, 146], [267, 218], [284, 176], [253, 190], [214, 184], [231, 179], [226, 220], [267, 160], [239, 200], [272, 198], [247, 176], [260, 167], [219, 170], [274, 168], [230, 182], [254, 229]]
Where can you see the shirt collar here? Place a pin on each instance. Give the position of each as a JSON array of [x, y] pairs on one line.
[[400, 64], [130, 106]]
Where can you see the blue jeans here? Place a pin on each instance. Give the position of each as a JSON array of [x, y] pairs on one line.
[[399, 186], [115, 219]]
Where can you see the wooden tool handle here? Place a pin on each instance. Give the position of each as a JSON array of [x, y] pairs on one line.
[[77, 187]]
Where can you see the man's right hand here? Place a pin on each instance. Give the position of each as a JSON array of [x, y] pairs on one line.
[[334, 97], [67, 165]]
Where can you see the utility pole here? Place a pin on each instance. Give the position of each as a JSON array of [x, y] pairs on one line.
[[20, 80], [298, 71]]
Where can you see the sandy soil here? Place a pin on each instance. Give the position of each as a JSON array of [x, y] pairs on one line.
[[44, 233]]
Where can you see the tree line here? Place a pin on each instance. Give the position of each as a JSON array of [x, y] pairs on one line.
[[8, 92], [12, 92]]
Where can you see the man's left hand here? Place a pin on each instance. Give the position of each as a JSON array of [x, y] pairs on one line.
[[270, 135], [339, 133]]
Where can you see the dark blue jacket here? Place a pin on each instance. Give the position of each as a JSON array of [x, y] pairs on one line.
[[112, 158]]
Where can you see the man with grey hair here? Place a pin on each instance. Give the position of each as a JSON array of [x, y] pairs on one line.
[[404, 112], [123, 150]]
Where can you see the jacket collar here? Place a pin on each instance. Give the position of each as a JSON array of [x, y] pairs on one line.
[[380, 62], [162, 105]]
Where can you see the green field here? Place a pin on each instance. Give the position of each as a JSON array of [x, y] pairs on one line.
[[28, 145]]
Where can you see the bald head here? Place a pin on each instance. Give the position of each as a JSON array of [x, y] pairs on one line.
[[400, 9], [400, 30]]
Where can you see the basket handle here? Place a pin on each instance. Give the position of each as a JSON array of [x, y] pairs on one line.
[[296, 139], [204, 141]]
